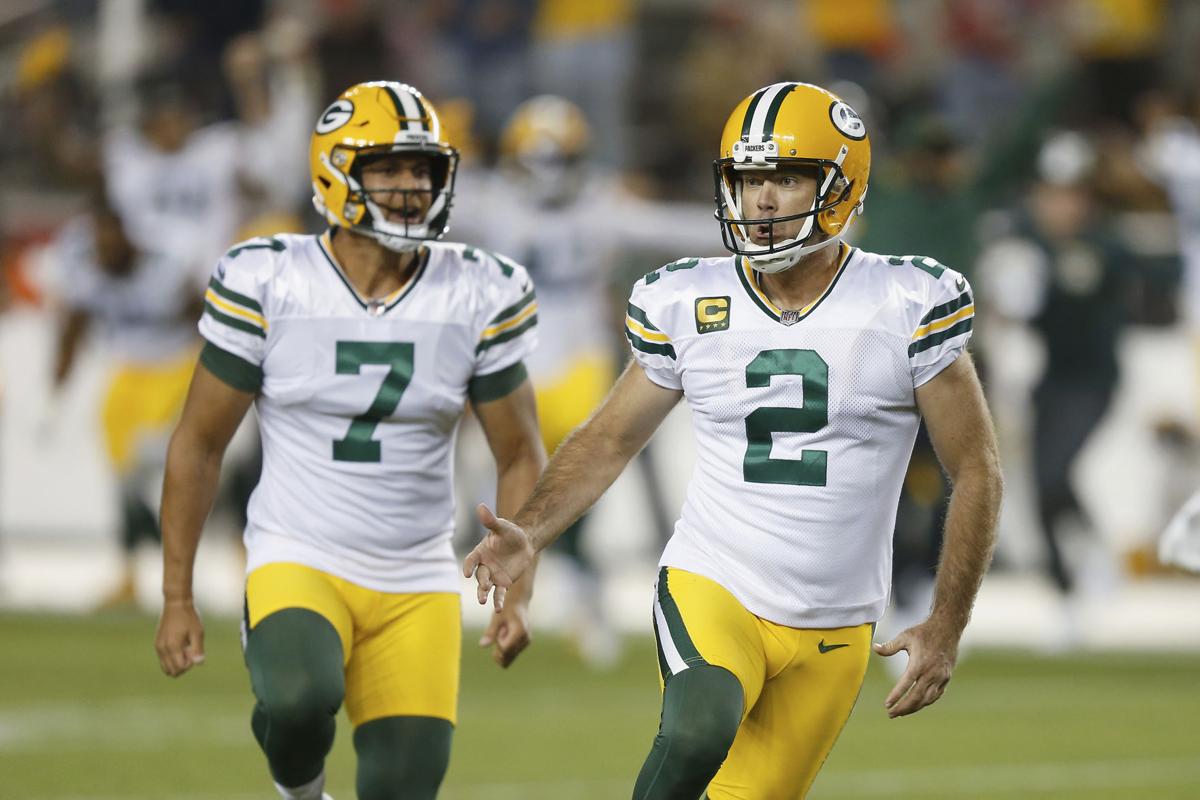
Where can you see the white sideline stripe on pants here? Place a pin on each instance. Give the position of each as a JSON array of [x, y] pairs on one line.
[[675, 661]]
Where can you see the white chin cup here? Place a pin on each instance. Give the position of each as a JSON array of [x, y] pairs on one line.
[[780, 261], [399, 237], [398, 244]]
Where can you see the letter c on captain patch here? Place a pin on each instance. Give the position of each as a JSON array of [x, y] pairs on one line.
[[712, 314]]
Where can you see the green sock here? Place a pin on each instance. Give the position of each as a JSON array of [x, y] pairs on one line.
[[402, 757]]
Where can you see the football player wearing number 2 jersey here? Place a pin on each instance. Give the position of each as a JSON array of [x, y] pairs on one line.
[[807, 365], [359, 349]]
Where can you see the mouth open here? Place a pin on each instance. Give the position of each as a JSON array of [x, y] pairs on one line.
[[410, 216], [761, 233]]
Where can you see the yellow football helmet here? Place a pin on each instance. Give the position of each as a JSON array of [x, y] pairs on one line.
[[375, 118], [793, 124], [544, 148]]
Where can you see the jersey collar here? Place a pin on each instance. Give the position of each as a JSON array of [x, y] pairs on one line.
[[749, 280], [381, 305]]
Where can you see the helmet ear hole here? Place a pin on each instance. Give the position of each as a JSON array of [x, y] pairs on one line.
[[829, 222]]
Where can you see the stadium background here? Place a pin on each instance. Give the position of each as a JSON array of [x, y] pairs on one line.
[[971, 104]]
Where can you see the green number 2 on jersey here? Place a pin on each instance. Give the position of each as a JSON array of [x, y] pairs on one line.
[[357, 445], [810, 469]]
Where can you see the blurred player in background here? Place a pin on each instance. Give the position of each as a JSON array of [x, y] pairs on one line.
[[808, 365], [571, 225], [1063, 273], [359, 349], [192, 187], [144, 306]]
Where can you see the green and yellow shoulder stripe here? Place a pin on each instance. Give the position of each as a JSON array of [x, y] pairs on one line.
[[510, 323], [943, 322], [234, 309], [644, 336]]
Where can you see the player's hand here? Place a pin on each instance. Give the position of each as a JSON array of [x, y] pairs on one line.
[[932, 651], [508, 633], [500, 559], [180, 638]]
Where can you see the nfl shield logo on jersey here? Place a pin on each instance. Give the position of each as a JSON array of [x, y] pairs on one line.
[[789, 317]]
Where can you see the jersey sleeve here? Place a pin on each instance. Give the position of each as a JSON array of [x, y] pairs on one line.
[[651, 347], [235, 321], [944, 328], [508, 332]]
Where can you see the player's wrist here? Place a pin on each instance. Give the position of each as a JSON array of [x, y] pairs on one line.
[[948, 623]]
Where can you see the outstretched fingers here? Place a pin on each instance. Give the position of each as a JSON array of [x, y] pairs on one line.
[[471, 563], [483, 581]]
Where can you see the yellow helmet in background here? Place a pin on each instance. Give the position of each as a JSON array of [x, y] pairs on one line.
[[544, 146], [792, 124], [376, 118]]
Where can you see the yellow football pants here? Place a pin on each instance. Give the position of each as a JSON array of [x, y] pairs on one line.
[[800, 684], [565, 403], [143, 402], [401, 651]]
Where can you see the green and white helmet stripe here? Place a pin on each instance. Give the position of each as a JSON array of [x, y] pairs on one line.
[[763, 110], [410, 106]]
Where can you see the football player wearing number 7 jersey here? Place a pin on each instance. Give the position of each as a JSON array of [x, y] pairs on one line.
[[807, 365], [359, 349]]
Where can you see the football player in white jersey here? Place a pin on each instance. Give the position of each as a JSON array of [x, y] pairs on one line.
[[808, 365], [359, 349], [570, 224], [144, 305]]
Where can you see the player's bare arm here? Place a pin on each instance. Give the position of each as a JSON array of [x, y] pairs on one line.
[[581, 470], [210, 417], [961, 430], [73, 329], [511, 427]]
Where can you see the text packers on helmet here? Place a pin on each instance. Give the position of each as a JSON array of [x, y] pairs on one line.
[[544, 148], [376, 118], [792, 124]]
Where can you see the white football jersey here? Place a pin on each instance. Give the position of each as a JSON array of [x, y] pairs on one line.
[[359, 401], [142, 316], [186, 202], [804, 422]]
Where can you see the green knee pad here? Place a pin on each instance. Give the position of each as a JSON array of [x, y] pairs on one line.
[[702, 709], [402, 757], [295, 662]]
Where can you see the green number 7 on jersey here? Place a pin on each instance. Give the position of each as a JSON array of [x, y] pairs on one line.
[[357, 445]]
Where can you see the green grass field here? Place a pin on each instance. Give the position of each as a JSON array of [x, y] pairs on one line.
[[85, 713]]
